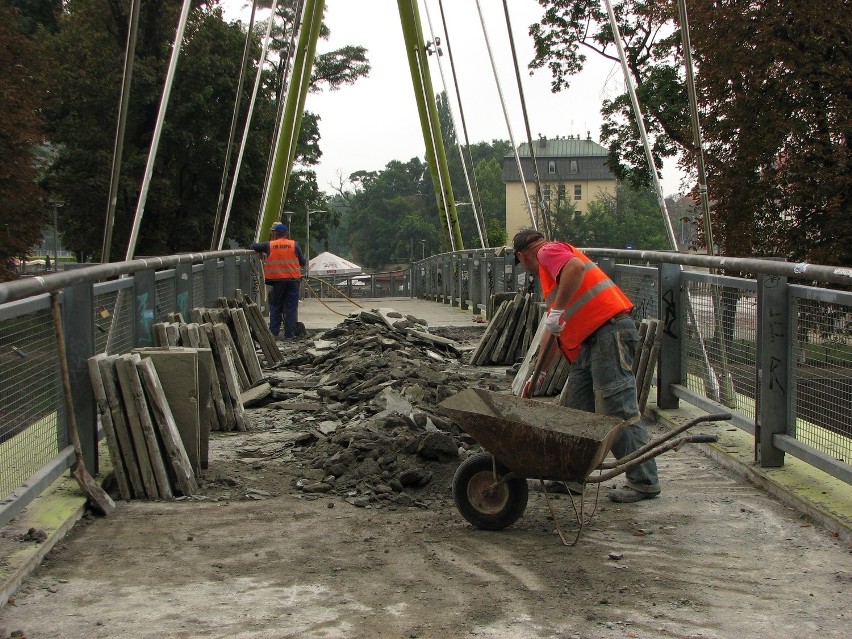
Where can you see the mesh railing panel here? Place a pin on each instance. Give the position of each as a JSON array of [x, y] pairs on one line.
[[118, 319], [728, 373], [165, 295], [641, 289], [822, 375], [30, 398], [198, 286]]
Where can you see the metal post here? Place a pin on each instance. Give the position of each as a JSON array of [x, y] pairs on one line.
[[673, 325], [229, 276], [79, 322], [211, 282], [183, 289], [773, 379], [145, 296]]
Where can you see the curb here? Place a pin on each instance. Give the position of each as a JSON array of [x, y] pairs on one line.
[[54, 512], [817, 495]]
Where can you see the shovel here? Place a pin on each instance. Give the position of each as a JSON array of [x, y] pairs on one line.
[[97, 496]]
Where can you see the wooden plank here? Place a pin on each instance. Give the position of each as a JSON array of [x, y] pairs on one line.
[[231, 377], [106, 365], [164, 487], [207, 415], [491, 335], [113, 444], [527, 365], [505, 317], [192, 339], [173, 334], [502, 345], [246, 345], [146, 470], [520, 328], [224, 336], [164, 419], [227, 420], [158, 331], [261, 333]]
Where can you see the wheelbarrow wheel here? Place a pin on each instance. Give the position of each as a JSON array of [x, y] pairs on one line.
[[483, 501]]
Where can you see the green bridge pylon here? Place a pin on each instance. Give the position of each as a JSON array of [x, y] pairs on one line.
[[427, 108]]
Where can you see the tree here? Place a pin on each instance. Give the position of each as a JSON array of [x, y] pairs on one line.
[[181, 204], [772, 83], [22, 96]]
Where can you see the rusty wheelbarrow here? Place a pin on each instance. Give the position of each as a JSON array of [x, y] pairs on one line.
[[531, 439]]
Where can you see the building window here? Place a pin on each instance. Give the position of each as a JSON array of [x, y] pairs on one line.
[[545, 194], [574, 168], [561, 195], [578, 191], [551, 167]]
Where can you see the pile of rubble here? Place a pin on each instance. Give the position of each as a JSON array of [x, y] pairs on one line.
[[356, 407]]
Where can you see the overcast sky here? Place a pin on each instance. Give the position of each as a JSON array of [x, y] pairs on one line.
[[366, 125]]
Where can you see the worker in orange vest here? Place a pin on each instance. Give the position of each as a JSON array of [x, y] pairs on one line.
[[590, 318], [282, 270]]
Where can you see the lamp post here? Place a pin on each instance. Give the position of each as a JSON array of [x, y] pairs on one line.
[[56, 206], [308, 239], [422, 249]]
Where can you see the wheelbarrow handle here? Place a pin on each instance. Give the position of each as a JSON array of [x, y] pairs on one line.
[[671, 444], [657, 443]]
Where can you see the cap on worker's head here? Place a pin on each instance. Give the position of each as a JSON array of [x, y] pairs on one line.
[[278, 227], [523, 239]]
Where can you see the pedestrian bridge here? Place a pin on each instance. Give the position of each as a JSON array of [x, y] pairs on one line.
[[774, 348]]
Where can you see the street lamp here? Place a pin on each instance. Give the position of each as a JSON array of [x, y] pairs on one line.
[[422, 249], [308, 239]]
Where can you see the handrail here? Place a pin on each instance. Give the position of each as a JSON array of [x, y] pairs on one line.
[[27, 287]]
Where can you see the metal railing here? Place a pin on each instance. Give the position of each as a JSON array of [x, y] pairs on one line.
[[776, 353], [105, 308], [785, 349]]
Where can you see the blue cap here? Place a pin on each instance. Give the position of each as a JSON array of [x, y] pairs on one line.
[[278, 227]]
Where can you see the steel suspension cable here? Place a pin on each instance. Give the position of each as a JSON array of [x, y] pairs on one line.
[[234, 116], [118, 146], [506, 117], [545, 213], [249, 115], [476, 194], [158, 130], [476, 218]]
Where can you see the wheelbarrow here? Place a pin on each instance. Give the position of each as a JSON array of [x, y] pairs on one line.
[[531, 439]]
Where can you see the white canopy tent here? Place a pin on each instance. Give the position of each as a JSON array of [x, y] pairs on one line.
[[331, 264]]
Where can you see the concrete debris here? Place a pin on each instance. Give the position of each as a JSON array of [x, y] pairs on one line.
[[354, 410]]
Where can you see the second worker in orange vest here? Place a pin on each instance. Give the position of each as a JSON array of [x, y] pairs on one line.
[[590, 319], [282, 270]]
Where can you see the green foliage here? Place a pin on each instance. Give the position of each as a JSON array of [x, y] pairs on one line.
[[772, 85], [22, 97], [630, 218], [184, 192]]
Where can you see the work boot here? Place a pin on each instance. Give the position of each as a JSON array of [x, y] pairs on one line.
[[631, 494], [561, 487]]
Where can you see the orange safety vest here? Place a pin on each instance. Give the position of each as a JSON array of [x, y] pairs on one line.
[[282, 263], [596, 302]]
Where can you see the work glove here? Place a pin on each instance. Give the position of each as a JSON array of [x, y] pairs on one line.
[[553, 321], [532, 384]]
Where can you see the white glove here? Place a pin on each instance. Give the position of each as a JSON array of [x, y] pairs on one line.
[[553, 321]]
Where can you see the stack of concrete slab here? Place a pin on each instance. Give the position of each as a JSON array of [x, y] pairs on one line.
[[153, 458], [510, 329]]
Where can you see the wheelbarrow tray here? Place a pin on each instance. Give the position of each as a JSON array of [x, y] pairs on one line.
[[534, 439]]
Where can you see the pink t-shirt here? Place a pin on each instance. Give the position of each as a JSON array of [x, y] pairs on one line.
[[553, 256]]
